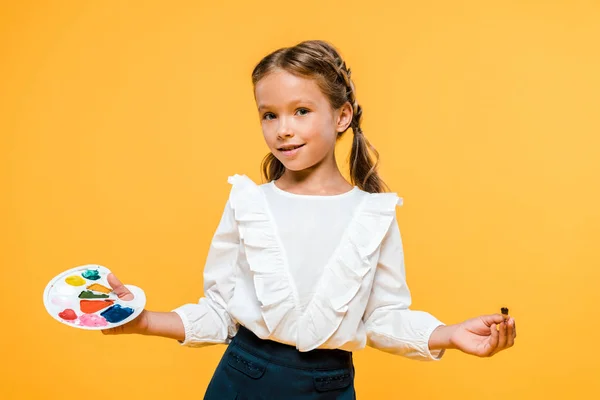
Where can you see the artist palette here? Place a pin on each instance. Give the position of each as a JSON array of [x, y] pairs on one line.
[[82, 298]]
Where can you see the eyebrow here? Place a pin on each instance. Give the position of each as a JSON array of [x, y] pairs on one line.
[[297, 101]]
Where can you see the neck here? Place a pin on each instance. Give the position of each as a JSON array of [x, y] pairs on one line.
[[322, 178]]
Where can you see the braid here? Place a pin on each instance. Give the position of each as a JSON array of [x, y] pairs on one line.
[[346, 75]]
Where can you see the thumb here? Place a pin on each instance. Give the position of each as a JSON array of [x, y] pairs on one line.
[[492, 319], [120, 290]]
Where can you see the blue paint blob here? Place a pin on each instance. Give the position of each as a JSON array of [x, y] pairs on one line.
[[91, 274], [116, 313]]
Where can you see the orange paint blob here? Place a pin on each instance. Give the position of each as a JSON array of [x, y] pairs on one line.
[[99, 288], [91, 306]]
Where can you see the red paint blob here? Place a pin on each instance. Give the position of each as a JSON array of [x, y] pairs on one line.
[[68, 315], [91, 306]]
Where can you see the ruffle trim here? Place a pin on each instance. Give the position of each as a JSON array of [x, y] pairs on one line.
[[263, 251], [342, 276]]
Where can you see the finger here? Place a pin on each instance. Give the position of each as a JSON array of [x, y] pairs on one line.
[[510, 333], [503, 337], [120, 290], [493, 341], [515, 328], [492, 319], [117, 330]]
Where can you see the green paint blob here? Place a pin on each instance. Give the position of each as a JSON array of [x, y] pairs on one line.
[[91, 274], [88, 294]]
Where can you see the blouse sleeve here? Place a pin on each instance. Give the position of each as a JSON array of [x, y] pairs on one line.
[[208, 322], [391, 326]]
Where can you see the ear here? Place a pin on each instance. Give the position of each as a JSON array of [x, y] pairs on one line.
[[344, 117]]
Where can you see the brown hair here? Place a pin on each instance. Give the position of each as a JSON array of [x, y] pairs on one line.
[[319, 60]]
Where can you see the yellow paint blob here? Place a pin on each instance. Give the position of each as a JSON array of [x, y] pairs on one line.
[[75, 280]]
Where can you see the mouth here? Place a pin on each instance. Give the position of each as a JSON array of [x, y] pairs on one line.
[[289, 147], [290, 150]]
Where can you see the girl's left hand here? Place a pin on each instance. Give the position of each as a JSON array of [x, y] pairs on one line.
[[480, 337]]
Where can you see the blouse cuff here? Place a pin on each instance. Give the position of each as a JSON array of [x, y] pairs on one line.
[[408, 336], [187, 326], [197, 324], [434, 355]]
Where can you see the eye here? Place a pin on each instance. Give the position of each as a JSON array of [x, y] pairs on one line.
[[302, 111], [268, 116]]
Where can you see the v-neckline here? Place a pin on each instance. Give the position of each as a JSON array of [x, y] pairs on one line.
[[331, 259]]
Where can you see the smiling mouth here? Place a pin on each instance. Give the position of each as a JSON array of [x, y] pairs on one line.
[[290, 147]]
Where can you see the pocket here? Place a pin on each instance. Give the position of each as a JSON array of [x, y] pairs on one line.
[[332, 380], [246, 363]]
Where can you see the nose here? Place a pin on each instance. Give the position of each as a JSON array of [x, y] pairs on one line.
[[284, 130]]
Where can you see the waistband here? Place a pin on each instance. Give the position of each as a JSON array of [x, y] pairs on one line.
[[290, 356]]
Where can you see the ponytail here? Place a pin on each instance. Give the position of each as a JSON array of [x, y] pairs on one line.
[[272, 168], [364, 159]]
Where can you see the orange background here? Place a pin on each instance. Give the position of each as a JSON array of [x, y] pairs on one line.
[[120, 122]]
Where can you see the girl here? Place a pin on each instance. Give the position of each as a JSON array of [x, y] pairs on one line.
[[307, 268]]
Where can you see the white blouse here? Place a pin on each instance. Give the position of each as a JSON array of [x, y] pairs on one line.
[[309, 271]]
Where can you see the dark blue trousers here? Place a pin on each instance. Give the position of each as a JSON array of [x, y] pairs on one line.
[[253, 369]]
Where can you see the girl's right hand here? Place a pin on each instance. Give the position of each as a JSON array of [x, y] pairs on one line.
[[139, 324]]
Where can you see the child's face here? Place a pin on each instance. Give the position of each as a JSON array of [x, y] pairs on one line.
[[298, 123]]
